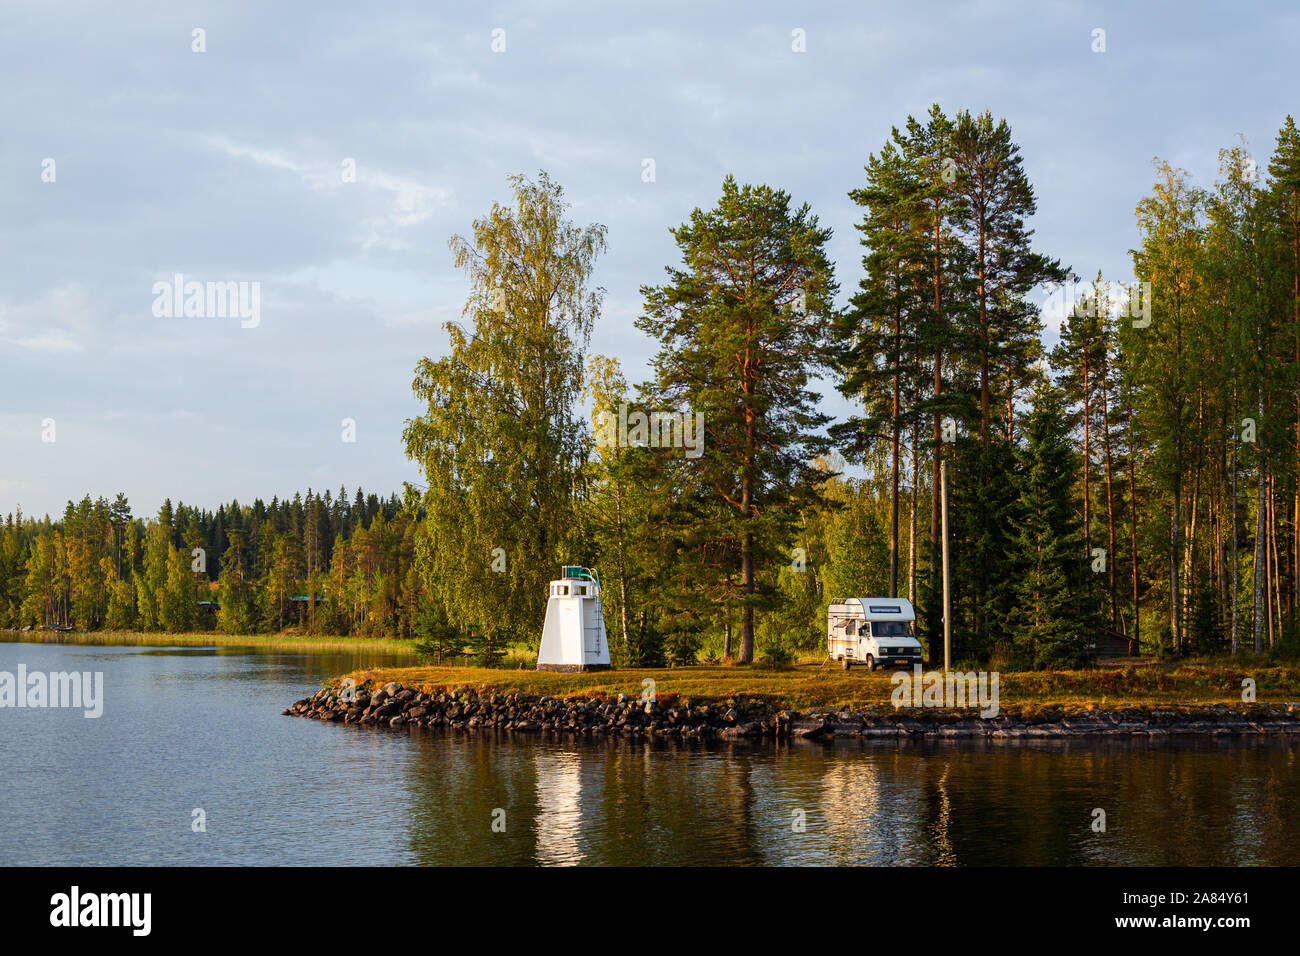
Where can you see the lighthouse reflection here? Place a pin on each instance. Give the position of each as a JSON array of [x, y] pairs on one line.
[[559, 807]]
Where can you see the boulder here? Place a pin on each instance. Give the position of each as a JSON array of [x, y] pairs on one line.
[[752, 728], [809, 727]]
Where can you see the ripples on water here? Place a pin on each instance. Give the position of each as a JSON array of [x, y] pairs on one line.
[[201, 728]]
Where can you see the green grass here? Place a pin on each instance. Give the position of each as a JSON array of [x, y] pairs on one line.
[[806, 685]]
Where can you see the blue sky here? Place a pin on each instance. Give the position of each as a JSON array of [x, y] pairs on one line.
[[226, 165]]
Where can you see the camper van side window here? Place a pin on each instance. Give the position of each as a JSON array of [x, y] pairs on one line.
[[849, 628]]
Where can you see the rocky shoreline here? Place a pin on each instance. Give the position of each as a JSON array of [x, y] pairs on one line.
[[622, 716]]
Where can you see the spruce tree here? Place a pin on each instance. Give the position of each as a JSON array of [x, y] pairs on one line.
[[982, 497], [1052, 621]]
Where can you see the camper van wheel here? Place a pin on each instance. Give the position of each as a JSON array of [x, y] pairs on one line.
[[871, 663], [845, 663]]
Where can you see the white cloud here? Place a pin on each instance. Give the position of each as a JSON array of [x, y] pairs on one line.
[[436, 315], [55, 321], [53, 340], [410, 202]]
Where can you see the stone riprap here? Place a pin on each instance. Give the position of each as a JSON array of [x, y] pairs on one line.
[[402, 707]]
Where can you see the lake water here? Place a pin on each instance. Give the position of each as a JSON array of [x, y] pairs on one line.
[[187, 728]]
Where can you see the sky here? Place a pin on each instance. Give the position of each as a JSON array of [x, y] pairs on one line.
[[128, 156]]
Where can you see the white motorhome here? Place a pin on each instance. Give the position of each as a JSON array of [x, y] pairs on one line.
[[872, 631]]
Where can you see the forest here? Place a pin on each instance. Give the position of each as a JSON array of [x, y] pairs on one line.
[[1140, 476]]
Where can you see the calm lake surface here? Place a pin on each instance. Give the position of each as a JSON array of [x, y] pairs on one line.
[[187, 728]]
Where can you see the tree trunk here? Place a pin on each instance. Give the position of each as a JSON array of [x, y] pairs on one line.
[[747, 614], [1275, 604], [911, 544], [1257, 585], [1175, 540], [984, 343], [622, 574], [1087, 468], [1133, 524], [1193, 512], [1236, 561], [936, 225], [894, 453], [1175, 594], [1110, 497], [747, 515]]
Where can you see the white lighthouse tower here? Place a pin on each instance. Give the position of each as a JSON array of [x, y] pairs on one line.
[[573, 637]]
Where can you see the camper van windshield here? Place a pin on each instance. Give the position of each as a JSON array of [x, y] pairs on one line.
[[891, 629]]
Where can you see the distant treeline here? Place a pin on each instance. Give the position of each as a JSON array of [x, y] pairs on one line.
[[239, 568]]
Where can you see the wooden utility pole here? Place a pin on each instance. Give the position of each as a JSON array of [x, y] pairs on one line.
[[947, 603]]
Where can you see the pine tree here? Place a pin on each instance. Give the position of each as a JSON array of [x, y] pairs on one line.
[[742, 328], [998, 198], [877, 335], [942, 332]]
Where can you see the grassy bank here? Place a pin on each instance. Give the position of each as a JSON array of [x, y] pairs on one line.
[[808, 686], [288, 642]]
